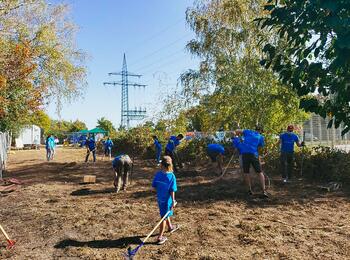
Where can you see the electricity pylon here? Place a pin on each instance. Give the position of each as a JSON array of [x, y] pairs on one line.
[[126, 114]]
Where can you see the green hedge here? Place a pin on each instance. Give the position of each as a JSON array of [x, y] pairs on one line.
[[320, 163]]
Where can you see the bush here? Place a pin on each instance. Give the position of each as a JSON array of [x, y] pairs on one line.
[[321, 163]]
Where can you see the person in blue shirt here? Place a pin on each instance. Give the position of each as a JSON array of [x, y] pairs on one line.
[[108, 148], [165, 184], [248, 146], [122, 165], [158, 148], [216, 154], [50, 146], [170, 149], [91, 148], [287, 141]]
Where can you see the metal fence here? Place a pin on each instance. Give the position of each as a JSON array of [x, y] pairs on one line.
[[315, 132], [5, 144]]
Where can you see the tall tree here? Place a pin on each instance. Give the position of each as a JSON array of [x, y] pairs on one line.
[[230, 86], [39, 62], [312, 53]]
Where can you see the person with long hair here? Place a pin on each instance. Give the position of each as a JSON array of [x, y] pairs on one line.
[[165, 184]]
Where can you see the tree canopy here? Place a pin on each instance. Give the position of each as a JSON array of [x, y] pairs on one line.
[[39, 61], [311, 53], [231, 88], [106, 125]]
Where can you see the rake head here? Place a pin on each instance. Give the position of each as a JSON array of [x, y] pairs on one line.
[[132, 252], [10, 243]]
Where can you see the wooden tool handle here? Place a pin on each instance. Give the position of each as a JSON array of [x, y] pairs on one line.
[[5, 234]]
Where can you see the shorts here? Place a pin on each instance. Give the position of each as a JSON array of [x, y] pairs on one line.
[[164, 208], [213, 155], [249, 159]]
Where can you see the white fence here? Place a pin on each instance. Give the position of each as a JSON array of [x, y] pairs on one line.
[[5, 144]]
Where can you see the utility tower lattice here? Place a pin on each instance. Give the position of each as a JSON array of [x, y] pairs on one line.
[[126, 114]]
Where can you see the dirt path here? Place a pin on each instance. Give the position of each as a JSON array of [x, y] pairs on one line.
[[52, 216]]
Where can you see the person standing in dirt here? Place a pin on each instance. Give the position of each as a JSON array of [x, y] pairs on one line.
[[165, 184], [50, 146], [170, 150], [248, 146], [91, 148], [122, 165], [287, 141], [108, 148], [158, 148], [216, 154]]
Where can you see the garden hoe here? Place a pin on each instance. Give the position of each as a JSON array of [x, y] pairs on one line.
[[10, 242], [132, 252]]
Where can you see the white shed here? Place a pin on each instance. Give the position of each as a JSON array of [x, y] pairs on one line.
[[28, 136]]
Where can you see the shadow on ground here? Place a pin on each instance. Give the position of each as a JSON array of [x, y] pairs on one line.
[[104, 243]]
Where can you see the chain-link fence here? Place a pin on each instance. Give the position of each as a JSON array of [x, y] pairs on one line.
[[5, 143], [315, 132]]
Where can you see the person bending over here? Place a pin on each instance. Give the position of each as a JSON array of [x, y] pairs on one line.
[[216, 154], [248, 146], [122, 165]]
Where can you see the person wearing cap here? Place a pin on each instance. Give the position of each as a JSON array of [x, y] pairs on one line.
[[287, 141], [216, 154], [170, 149], [122, 165], [165, 184], [248, 146]]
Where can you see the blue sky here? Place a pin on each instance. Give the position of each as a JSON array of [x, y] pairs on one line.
[[152, 33]]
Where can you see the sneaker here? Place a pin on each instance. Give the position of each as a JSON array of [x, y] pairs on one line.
[[161, 240], [285, 181], [174, 228]]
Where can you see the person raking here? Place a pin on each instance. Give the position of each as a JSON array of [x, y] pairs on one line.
[[216, 154], [170, 150], [248, 146], [165, 184]]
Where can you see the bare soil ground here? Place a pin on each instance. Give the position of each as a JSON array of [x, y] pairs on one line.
[[53, 216]]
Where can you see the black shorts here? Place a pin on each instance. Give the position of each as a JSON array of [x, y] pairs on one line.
[[249, 159]]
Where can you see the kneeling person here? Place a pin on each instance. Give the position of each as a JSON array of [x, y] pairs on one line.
[[122, 165], [216, 153]]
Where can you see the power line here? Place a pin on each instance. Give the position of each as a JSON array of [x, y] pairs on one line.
[[158, 33], [161, 59], [160, 49]]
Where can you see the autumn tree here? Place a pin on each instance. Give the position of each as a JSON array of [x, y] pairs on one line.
[[39, 62]]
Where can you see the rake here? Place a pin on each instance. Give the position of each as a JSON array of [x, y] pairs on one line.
[[132, 252], [10, 242]]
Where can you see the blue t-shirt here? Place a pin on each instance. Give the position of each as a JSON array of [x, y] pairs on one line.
[[164, 183], [157, 144], [50, 143], [91, 144], [287, 142], [250, 143], [108, 143], [216, 148], [173, 142]]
